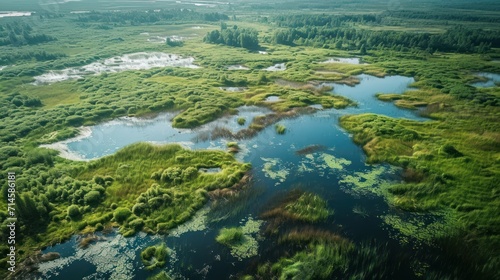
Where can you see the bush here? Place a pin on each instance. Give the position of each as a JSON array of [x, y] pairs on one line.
[[75, 120], [241, 121], [92, 198], [73, 211], [121, 214]]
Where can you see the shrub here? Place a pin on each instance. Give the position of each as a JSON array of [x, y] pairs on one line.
[[241, 121], [92, 198], [73, 211], [121, 214]]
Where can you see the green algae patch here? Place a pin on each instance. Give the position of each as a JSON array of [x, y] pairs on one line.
[[322, 163], [197, 223], [418, 228], [274, 169], [367, 182], [334, 162], [243, 240]]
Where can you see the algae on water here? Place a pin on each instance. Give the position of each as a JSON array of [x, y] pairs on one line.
[[366, 182], [197, 223], [247, 244], [274, 169]]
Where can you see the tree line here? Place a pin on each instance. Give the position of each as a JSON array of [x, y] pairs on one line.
[[458, 39], [18, 34], [234, 36], [141, 17]]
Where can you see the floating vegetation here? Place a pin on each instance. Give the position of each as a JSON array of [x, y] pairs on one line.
[[155, 256], [321, 163], [310, 149], [197, 223], [366, 182], [241, 120], [274, 169], [280, 129], [421, 228], [115, 248], [335, 163], [241, 240]]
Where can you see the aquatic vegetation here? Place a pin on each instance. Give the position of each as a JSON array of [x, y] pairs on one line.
[[280, 129], [418, 228], [241, 121], [360, 211], [335, 163], [241, 240], [197, 223], [309, 234], [298, 206], [309, 207], [318, 261], [367, 182], [155, 256], [310, 150], [161, 276], [274, 169], [322, 163], [230, 236]]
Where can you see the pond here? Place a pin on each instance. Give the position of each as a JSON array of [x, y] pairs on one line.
[[347, 60], [14, 14], [492, 78], [276, 67], [133, 61], [337, 172], [237, 67]]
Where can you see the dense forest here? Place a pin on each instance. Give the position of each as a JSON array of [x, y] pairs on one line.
[[233, 36], [321, 32]]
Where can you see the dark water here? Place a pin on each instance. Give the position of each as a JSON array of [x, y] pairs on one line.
[[277, 169]]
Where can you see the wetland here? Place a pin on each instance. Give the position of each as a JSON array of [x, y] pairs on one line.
[[275, 143]]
